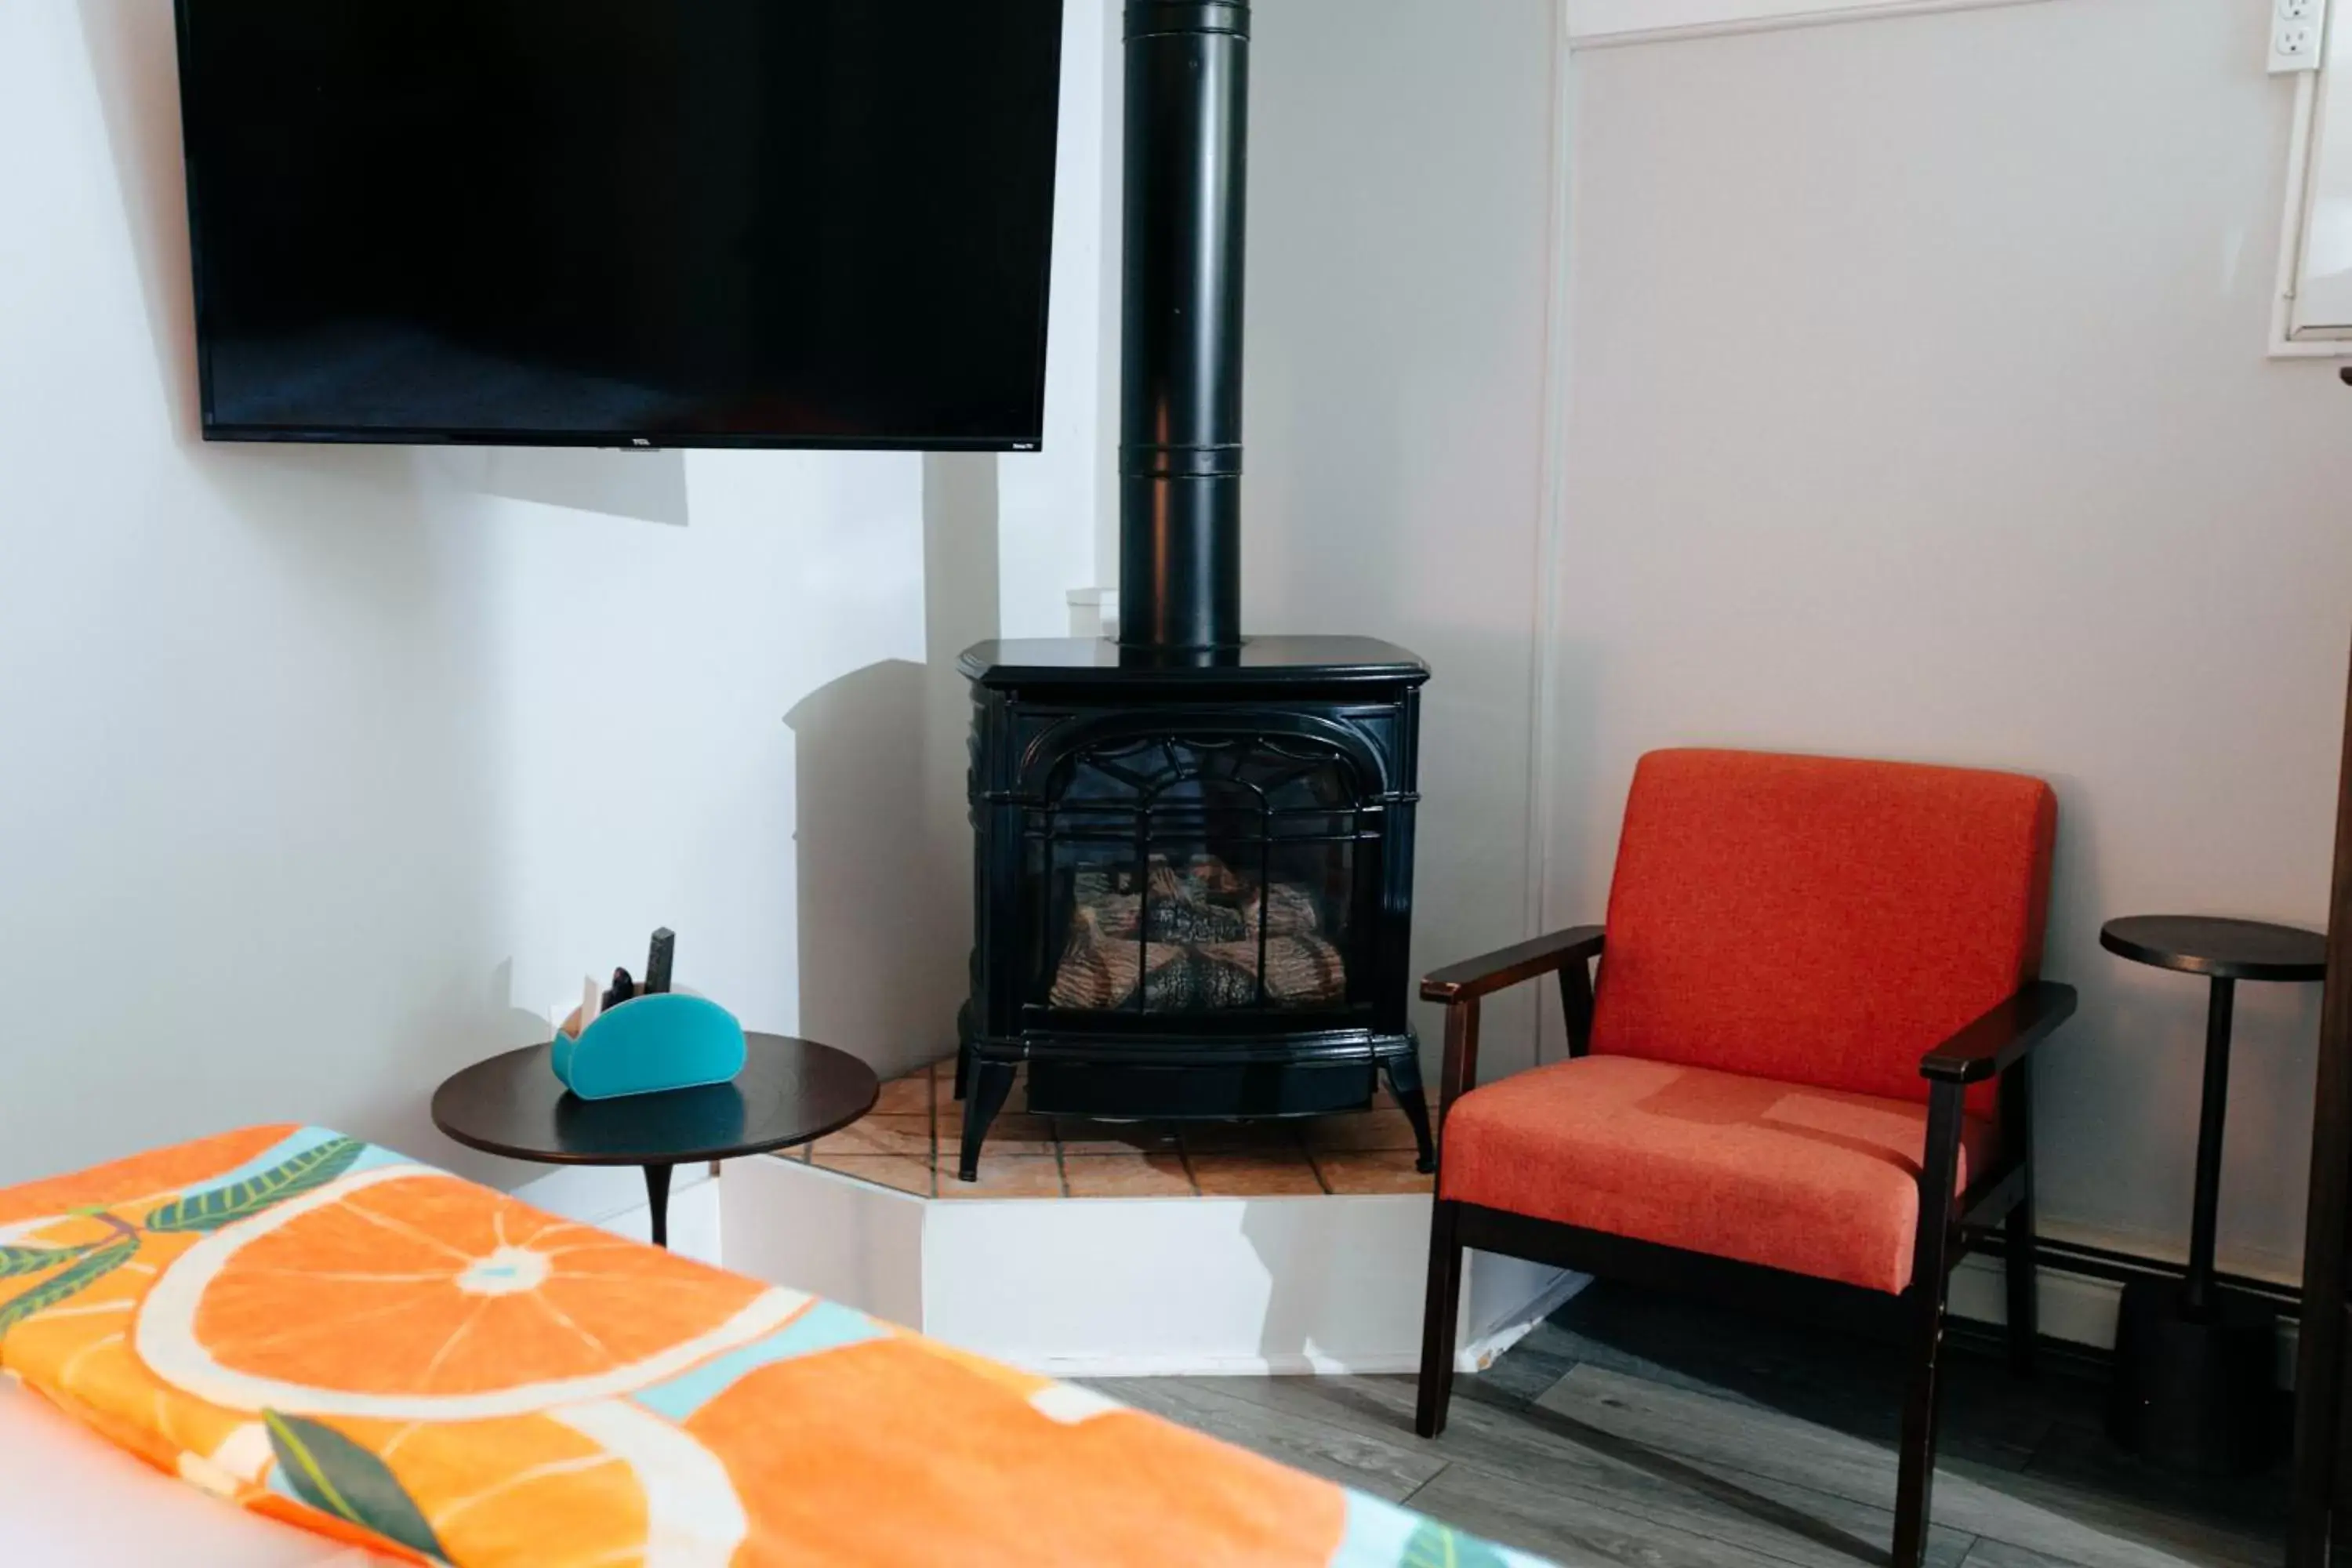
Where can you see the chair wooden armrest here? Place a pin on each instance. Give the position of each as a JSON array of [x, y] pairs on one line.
[[2002, 1036], [1476, 977], [1568, 954]]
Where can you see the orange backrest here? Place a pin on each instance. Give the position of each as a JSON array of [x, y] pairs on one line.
[[1819, 919]]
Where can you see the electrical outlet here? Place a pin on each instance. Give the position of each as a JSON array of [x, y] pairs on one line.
[[2294, 45], [2297, 10]]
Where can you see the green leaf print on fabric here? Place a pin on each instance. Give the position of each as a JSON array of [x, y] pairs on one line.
[[17, 1260], [61, 1287], [336, 1476], [210, 1211]]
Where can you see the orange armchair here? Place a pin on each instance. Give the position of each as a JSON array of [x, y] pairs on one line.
[[1802, 1077]]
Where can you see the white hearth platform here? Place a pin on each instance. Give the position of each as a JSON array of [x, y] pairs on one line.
[[1077, 1286]]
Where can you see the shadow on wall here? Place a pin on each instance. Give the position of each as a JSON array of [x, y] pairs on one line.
[[1302, 1283], [881, 961], [647, 485], [884, 835]]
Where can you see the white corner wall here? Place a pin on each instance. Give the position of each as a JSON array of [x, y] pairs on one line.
[[1399, 284], [329, 769], [1920, 410]]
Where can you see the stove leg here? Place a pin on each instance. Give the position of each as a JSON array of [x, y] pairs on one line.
[[1404, 1082], [988, 1084]]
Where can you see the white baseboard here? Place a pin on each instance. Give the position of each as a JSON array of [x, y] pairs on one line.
[[2072, 1306]]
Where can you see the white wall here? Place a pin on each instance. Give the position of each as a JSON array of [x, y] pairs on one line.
[[1399, 273], [1054, 500], [329, 769], [1920, 411]]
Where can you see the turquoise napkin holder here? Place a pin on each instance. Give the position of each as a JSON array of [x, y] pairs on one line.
[[651, 1044]]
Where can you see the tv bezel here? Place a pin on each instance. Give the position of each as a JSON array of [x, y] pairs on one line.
[[632, 440]]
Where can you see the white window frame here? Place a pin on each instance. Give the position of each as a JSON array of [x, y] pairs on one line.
[[2318, 173], [1598, 24]]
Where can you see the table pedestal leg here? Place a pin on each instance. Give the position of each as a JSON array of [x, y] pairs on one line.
[[657, 1195], [2192, 1363], [2197, 1294]]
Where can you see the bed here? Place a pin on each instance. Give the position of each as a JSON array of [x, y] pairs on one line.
[[362, 1359]]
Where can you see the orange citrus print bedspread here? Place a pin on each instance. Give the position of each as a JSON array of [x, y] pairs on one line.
[[323, 1331]]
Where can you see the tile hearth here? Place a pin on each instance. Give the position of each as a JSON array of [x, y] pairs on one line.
[[907, 1142]]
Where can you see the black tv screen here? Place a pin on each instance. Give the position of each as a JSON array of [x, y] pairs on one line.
[[638, 222]]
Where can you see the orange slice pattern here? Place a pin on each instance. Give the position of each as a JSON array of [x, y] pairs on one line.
[[402, 1293]]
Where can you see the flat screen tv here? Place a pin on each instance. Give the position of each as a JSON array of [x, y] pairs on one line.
[[629, 223]]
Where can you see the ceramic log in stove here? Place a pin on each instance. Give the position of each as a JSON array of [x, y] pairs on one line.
[[1193, 868]]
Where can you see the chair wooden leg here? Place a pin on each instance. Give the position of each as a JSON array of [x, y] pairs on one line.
[[1930, 1277], [1437, 1321], [2024, 1304], [1915, 1478], [2018, 1248]]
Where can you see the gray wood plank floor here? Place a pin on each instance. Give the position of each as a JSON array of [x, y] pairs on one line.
[[1637, 1428]]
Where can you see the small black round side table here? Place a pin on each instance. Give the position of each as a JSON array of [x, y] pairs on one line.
[[790, 1092], [2192, 1369]]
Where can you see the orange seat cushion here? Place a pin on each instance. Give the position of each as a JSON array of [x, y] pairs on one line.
[[1817, 1182], [1819, 919]]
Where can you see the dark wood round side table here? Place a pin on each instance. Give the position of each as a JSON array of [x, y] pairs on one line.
[[2193, 1361], [790, 1092]]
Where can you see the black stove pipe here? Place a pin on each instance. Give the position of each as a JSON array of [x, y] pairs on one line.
[[1180, 580]]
